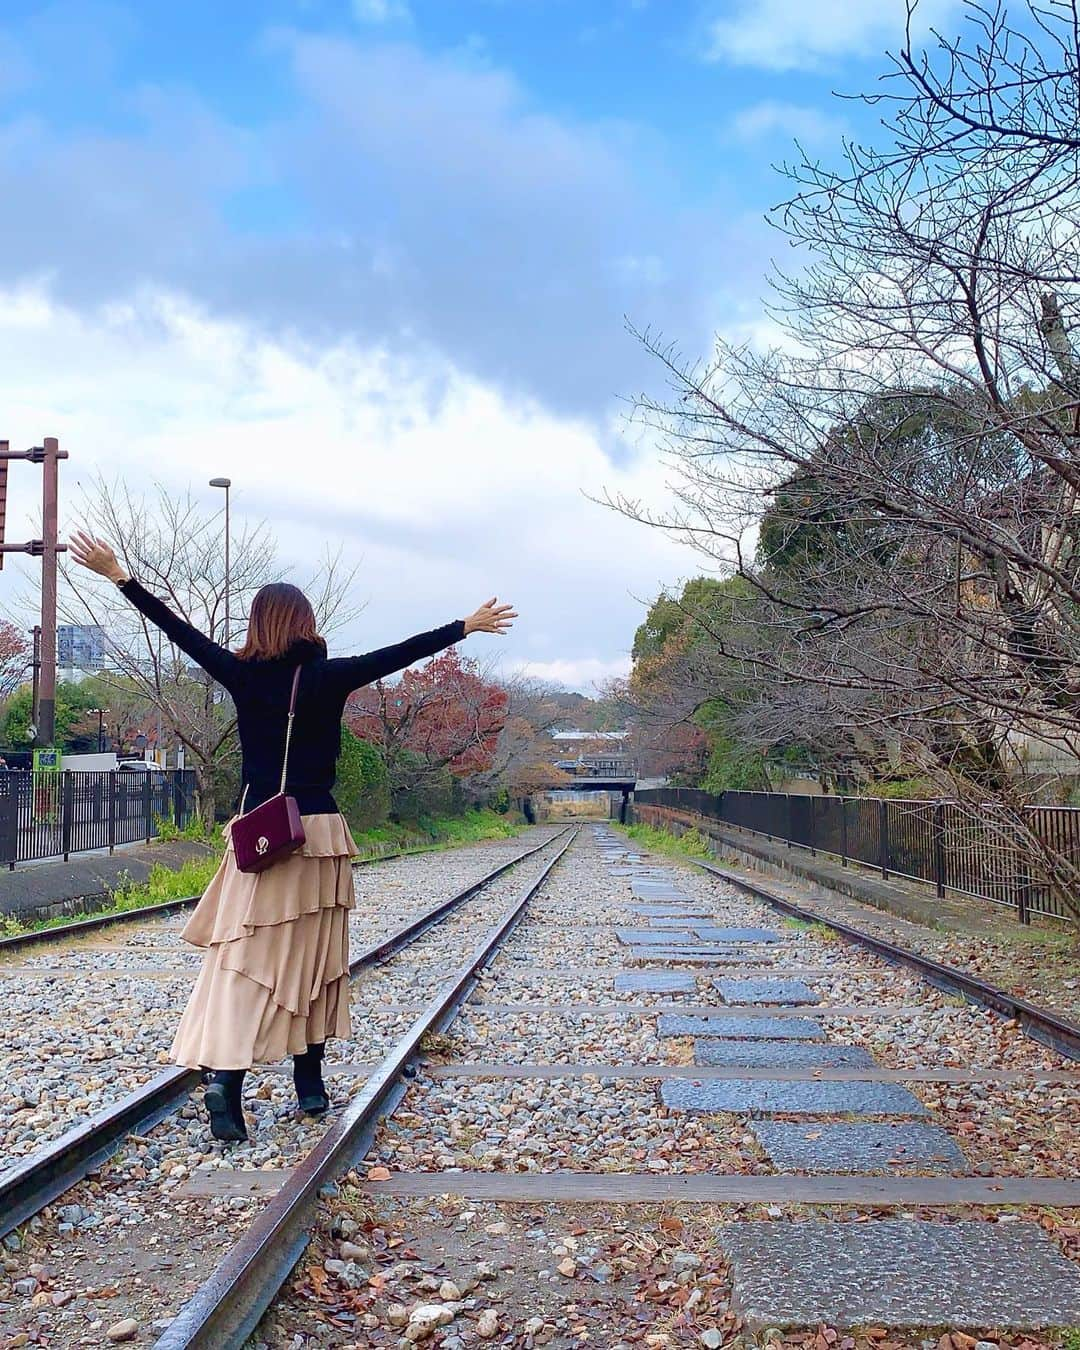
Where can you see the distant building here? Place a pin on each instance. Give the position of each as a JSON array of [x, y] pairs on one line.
[[80, 646], [597, 754]]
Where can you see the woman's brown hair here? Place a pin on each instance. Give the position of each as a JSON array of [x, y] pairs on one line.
[[281, 615]]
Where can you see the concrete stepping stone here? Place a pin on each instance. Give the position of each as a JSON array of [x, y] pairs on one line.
[[779, 1055], [671, 911], [741, 1028], [682, 905], [791, 992], [728, 957], [901, 1273], [744, 1095], [657, 890], [653, 937], [655, 982], [739, 934], [858, 1147]]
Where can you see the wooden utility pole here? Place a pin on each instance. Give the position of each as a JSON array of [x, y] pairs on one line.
[[3, 495], [36, 634], [49, 501], [46, 548]]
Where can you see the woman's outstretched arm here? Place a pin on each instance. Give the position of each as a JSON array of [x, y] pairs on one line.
[[97, 556], [352, 672]]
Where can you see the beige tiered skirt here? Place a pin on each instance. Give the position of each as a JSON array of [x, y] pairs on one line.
[[275, 978]]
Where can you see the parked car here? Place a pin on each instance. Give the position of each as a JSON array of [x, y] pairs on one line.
[[139, 766]]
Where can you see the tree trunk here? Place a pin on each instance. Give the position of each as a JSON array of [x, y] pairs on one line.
[[206, 794]]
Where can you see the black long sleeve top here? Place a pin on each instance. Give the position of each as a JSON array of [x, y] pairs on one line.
[[260, 691]]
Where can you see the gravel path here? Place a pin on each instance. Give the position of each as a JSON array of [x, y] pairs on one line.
[[105, 1258], [513, 1274], [554, 1271], [89, 1019]]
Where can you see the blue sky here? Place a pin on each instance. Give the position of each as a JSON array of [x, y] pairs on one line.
[[404, 234]]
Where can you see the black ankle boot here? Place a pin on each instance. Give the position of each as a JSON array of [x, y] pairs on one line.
[[223, 1102], [307, 1075]]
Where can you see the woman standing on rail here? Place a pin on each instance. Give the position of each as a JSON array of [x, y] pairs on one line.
[[275, 978]]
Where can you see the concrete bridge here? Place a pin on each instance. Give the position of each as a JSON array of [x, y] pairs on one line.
[[625, 786]]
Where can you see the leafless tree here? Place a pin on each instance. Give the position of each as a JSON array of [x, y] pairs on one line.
[[897, 477], [174, 546], [524, 760]]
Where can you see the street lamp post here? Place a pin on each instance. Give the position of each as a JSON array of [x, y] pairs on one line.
[[100, 726], [225, 483]]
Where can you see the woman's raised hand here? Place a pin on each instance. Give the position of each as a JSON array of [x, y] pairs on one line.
[[491, 617], [96, 555]]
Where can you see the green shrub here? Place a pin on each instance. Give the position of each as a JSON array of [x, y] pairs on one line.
[[195, 830], [473, 827], [166, 883], [690, 844], [362, 790], [163, 883], [418, 792]]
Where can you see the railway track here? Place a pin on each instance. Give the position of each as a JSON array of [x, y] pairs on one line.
[[28, 1186], [229, 1304], [661, 1118], [666, 1119], [1040, 1024], [93, 923]]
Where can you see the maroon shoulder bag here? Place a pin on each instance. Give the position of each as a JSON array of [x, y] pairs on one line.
[[273, 829]]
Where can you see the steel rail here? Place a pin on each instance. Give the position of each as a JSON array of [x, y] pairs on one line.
[[1042, 1025], [381, 951], [228, 1306], [77, 927], [94, 921], [37, 1180]]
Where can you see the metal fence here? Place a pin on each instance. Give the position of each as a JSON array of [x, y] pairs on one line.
[[949, 845], [47, 815]]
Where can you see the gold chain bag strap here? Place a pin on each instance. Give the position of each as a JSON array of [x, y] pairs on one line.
[[272, 830]]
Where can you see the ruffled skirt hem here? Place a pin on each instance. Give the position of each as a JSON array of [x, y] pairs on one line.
[[275, 978]]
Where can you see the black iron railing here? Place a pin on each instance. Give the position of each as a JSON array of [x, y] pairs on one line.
[[46, 815], [950, 845]]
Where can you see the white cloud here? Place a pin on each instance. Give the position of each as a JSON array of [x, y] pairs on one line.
[[441, 487], [587, 675], [466, 202], [380, 11], [808, 126], [792, 34]]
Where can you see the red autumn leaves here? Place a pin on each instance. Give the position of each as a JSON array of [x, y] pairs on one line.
[[445, 712]]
